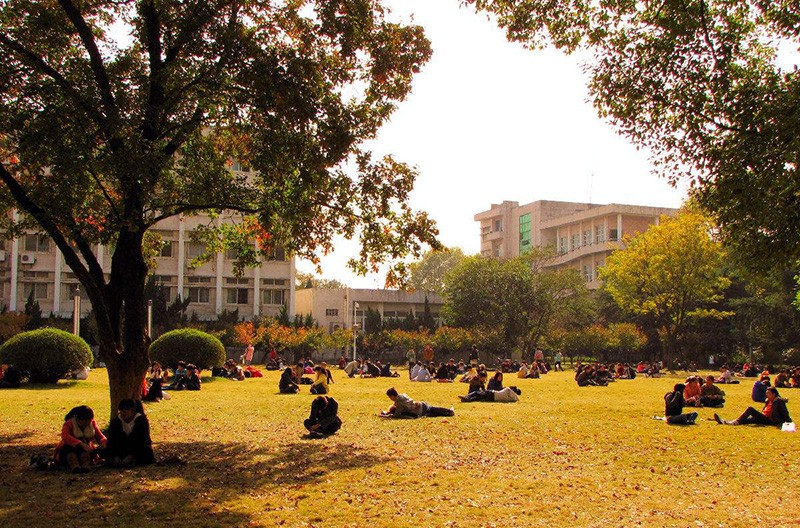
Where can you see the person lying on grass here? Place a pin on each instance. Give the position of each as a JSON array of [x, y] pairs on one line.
[[774, 413], [673, 408], [129, 443], [80, 439], [324, 419], [405, 407], [509, 394]]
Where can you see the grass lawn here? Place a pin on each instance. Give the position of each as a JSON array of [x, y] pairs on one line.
[[561, 456]]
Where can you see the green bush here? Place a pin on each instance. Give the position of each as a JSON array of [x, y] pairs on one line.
[[189, 345], [46, 355]]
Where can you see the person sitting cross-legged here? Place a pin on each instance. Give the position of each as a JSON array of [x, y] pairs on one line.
[[324, 418], [286, 384], [673, 408], [711, 395], [129, 443]]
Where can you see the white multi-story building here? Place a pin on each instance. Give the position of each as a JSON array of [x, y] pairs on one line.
[[32, 264], [582, 234]]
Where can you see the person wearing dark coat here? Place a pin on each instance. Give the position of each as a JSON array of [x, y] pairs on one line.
[[129, 443], [324, 419], [496, 383], [774, 413], [286, 385], [9, 377], [673, 407]]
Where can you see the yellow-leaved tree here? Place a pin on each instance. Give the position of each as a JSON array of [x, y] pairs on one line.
[[670, 274]]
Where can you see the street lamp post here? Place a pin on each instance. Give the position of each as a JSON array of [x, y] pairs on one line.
[[76, 313], [355, 329], [150, 318]]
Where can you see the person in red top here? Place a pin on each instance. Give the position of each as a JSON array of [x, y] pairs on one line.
[[80, 437], [774, 412]]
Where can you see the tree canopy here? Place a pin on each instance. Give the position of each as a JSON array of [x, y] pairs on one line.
[[116, 115], [700, 83], [671, 274], [520, 297], [427, 273]]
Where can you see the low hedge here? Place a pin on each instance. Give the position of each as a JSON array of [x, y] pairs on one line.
[[46, 355], [189, 345]]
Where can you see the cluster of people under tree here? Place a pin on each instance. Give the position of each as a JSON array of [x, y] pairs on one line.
[[293, 377], [491, 391], [593, 375], [366, 368], [127, 443]]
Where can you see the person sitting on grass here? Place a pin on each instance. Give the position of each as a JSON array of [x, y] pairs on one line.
[[759, 392], [320, 384], [403, 406], [496, 383], [794, 379], [129, 443], [298, 372], [442, 373], [371, 370], [522, 372], [478, 383], [422, 374], [353, 368], [9, 377], [178, 378], [691, 394], [774, 412], [533, 371], [509, 394], [711, 395], [80, 439], [323, 420], [673, 408], [386, 371], [286, 384], [782, 380], [192, 378]]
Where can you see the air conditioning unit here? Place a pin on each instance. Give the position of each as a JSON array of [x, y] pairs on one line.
[[27, 259], [2, 255]]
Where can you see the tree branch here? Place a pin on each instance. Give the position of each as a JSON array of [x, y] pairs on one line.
[[95, 59], [186, 208], [38, 63], [105, 193]]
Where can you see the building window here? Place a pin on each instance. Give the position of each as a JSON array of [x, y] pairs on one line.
[[587, 237], [238, 295], [168, 249], [37, 243], [238, 166], [274, 297], [613, 235], [273, 282], [562, 245], [277, 253], [194, 250], [498, 225], [599, 235], [587, 273], [331, 312], [574, 242], [198, 280], [198, 295], [237, 280], [525, 234], [38, 289]]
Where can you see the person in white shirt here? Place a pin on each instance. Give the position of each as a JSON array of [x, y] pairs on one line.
[[422, 374]]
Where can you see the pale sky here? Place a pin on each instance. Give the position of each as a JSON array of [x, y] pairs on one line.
[[489, 121]]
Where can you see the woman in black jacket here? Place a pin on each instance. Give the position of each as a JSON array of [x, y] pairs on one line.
[[287, 385]]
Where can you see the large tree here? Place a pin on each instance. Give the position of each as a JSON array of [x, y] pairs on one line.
[[427, 273], [519, 298], [116, 115], [671, 274], [700, 84]]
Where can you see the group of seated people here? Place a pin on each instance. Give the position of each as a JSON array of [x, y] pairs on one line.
[[83, 444], [534, 371], [509, 366], [233, 371], [788, 378], [647, 369], [186, 376], [706, 394], [368, 369], [293, 377], [491, 391], [593, 375]]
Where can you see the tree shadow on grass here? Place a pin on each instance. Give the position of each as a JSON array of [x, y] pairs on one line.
[[204, 492]]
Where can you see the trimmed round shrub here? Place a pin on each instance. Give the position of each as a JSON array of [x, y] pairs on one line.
[[189, 345], [46, 355]]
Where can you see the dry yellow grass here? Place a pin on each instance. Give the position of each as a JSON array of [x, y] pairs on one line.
[[562, 456]]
